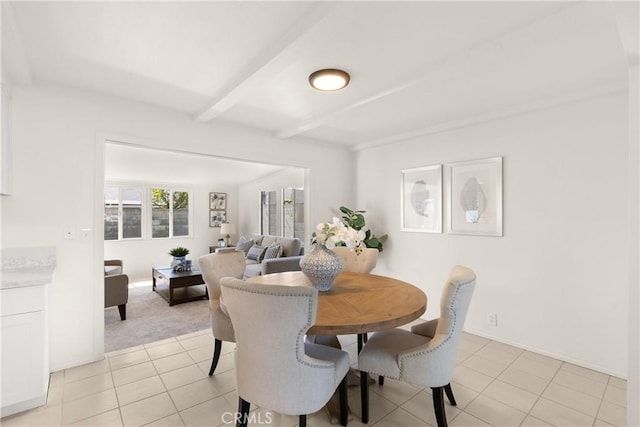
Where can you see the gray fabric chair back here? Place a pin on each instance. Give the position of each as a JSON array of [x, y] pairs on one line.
[[426, 356], [454, 305], [272, 369], [213, 268]]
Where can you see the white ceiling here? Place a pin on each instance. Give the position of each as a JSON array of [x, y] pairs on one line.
[[416, 67]]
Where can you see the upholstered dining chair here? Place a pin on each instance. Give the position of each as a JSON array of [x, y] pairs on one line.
[[275, 368], [214, 267], [426, 356]]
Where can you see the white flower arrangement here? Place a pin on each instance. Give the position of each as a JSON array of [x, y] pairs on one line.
[[332, 234]]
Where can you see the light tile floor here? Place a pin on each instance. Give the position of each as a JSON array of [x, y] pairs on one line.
[[165, 383]]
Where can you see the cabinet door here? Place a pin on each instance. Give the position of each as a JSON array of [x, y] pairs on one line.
[[22, 357]]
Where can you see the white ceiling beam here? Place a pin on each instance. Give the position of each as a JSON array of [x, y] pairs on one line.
[[248, 77], [626, 15], [15, 66], [444, 66], [448, 65], [513, 110], [313, 122]]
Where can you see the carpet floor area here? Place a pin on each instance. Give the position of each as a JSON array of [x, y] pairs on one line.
[[149, 319]]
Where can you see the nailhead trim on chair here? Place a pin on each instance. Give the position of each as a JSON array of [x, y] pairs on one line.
[[302, 332], [447, 339]]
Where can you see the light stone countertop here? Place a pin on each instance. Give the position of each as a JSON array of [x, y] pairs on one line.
[[32, 266]]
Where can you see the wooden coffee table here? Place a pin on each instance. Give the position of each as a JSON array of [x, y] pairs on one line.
[[177, 287]]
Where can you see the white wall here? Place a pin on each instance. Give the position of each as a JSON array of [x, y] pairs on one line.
[[249, 196], [558, 279], [57, 177], [139, 256]]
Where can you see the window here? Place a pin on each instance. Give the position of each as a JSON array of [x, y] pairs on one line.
[[125, 206], [169, 213], [159, 212], [293, 212], [180, 213], [282, 212], [268, 213], [122, 213]]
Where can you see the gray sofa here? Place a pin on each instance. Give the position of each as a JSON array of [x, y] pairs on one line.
[[292, 252]]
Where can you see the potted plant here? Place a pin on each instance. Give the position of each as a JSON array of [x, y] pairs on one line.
[[365, 258], [179, 258]]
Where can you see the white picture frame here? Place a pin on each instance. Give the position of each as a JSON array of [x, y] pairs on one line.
[[474, 197], [421, 204]]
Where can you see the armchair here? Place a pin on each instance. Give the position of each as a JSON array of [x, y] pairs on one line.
[[116, 287], [112, 266]]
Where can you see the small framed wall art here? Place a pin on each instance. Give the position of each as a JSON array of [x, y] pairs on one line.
[[218, 201], [474, 197], [421, 205], [217, 218], [217, 209]]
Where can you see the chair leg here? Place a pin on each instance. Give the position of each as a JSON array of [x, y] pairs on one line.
[[303, 421], [243, 412], [381, 380], [364, 396], [362, 340], [216, 355], [449, 392], [122, 308], [438, 406], [344, 403]]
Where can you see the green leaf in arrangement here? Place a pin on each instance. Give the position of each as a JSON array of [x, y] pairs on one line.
[[356, 220]]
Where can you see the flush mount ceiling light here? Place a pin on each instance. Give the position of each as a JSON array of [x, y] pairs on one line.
[[329, 79]]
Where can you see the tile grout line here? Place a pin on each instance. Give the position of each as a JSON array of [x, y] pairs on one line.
[[595, 419], [542, 392], [479, 392], [64, 376], [197, 367], [115, 391], [166, 390]]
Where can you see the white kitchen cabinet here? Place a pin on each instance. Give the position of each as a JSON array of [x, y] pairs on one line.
[[24, 346]]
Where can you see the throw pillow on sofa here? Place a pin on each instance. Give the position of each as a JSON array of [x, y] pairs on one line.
[[256, 253], [244, 244], [273, 251]]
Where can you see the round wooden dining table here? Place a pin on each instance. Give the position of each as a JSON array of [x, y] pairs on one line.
[[357, 303]]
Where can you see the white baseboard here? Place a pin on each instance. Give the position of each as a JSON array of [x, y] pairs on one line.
[[558, 356]]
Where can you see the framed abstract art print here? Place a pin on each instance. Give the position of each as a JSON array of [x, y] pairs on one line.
[[421, 205], [474, 197]]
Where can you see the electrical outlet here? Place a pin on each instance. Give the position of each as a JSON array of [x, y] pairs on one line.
[[492, 319]]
